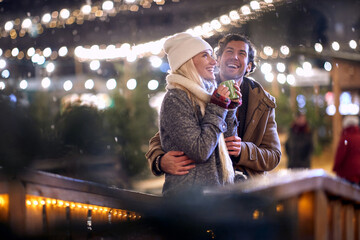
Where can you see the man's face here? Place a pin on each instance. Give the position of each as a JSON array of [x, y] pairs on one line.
[[233, 63]]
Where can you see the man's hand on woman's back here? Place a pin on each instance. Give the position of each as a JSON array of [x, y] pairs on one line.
[[176, 163]]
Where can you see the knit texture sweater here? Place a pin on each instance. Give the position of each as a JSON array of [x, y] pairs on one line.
[[195, 130]]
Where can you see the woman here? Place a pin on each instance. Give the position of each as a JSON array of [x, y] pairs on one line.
[[347, 158], [194, 117]]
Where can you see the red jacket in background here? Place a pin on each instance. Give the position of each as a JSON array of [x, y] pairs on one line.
[[347, 158]]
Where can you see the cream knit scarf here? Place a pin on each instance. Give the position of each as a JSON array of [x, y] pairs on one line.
[[202, 98]]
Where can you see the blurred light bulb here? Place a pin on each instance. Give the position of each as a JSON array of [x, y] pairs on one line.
[[335, 46], [108, 5], [353, 44], [131, 84], [46, 82], [31, 52], [318, 47], [23, 84], [245, 10], [290, 79], [269, 77], [2, 63], [265, 68], [153, 84], [268, 50], [67, 85], [46, 18], [281, 67], [50, 67], [255, 5], [63, 51], [64, 13], [26, 23], [89, 84], [285, 50], [327, 66], [155, 61], [94, 65], [14, 52], [47, 52], [111, 84], [8, 25], [86, 9]]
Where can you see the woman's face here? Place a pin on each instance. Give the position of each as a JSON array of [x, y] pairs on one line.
[[205, 64]]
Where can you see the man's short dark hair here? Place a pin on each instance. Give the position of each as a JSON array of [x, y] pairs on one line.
[[237, 37]]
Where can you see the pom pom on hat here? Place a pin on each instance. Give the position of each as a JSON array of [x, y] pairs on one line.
[[183, 46]]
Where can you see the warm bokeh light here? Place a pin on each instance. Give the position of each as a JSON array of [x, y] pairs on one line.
[[318, 47], [94, 65], [68, 85], [155, 61], [281, 67], [50, 67], [281, 78], [2, 63], [245, 10], [89, 84], [46, 18], [47, 52], [5, 73], [269, 77], [268, 50], [290, 79], [352, 44], [63, 51], [23, 84], [327, 66], [46, 82], [285, 50], [86, 9], [64, 13], [111, 84], [108, 5], [26, 23], [336, 46], [265, 68], [14, 52], [9, 25], [131, 84], [153, 84], [30, 52]]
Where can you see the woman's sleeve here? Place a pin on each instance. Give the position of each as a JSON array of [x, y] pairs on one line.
[[181, 130]]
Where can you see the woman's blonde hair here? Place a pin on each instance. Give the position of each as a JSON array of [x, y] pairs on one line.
[[189, 71]]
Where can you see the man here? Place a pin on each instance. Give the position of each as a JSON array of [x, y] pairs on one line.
[[256, 149]]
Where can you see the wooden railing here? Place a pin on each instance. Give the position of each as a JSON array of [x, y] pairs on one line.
[[308, 204], [321, 205]]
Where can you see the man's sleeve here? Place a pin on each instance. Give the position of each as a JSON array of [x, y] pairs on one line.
[[266, 155], [154, 151]]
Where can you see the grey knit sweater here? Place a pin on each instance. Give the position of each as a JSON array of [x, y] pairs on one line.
[[182, 128]]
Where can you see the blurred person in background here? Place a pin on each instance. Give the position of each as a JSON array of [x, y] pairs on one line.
[[347, 157], [299, 145]]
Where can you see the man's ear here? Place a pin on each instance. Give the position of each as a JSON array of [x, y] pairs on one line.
[[248, 68]]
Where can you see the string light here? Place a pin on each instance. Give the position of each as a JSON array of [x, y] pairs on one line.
[[37, 202], [66, 16]]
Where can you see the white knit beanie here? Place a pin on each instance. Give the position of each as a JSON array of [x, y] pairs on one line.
[[182, 47]]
